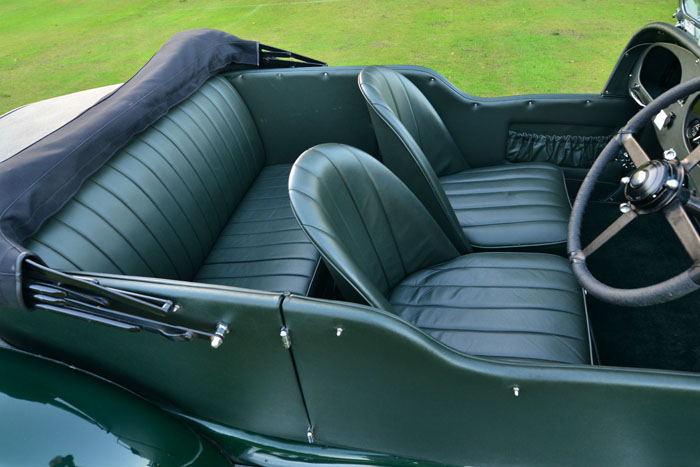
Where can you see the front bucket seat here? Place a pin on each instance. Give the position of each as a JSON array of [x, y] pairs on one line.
[[515, 206], [375, 234]]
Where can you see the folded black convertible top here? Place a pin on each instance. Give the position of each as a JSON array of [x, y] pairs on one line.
[[37, 181]]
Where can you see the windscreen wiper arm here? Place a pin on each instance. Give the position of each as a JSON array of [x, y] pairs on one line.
[[84, 298]]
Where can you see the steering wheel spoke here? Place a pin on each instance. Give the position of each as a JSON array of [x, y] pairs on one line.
[[692, 159], [683, 226], [634, 150], [693, 206], [612, 230]]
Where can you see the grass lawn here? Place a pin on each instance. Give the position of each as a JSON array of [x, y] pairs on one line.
[[487, 48]]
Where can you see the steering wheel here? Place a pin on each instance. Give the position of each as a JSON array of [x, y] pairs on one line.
[[655, 186]]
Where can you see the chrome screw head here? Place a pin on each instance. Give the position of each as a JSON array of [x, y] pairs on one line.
[[286, 338], [672, 184], [216, 341], [625, 208], [670, 154], [218, 338]]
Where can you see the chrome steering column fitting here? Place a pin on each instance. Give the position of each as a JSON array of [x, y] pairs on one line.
[[654, 185]]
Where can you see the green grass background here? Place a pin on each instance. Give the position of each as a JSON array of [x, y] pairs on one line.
[[486, 47]]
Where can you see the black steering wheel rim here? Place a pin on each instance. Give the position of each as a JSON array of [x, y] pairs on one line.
[[682, 284]]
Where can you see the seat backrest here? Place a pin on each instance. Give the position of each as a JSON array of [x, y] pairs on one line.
[[366, 223], [414, 142], [156, 208]]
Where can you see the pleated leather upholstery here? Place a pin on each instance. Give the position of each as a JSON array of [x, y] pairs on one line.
[[372, 230], [518, 205], [263, 246], [513, 306], [416, 145], [159, 206]]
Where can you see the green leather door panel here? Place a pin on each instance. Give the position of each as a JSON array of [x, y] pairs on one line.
[[248, 382], [480, 125], [373, 382], [333, 110], [295, 109]]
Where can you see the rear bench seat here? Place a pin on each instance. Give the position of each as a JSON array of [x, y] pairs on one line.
[[191, 199]]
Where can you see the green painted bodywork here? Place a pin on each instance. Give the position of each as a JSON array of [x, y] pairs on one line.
[[56, 415], [254, 449]]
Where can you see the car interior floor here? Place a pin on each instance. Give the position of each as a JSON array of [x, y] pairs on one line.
[[646, 252]]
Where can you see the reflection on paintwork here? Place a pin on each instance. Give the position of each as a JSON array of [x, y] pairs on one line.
[[27, 425], [52, 415], [60, 461]]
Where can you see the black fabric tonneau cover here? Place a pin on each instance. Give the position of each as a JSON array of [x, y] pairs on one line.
[[36, 182]]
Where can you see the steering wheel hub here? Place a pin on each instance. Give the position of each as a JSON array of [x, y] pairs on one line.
[[654, 185]]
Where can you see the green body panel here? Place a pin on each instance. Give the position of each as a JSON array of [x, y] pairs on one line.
[[50, 411], [259, 450], [382, 385], [246, 383]]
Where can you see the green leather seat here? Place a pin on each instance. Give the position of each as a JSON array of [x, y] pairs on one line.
[[507, 206], [262, 246], [190, 198], [373, 231]]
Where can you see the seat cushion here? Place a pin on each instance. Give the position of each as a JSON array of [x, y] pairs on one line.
[[510, 206], [262, 246], [509, 306]]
